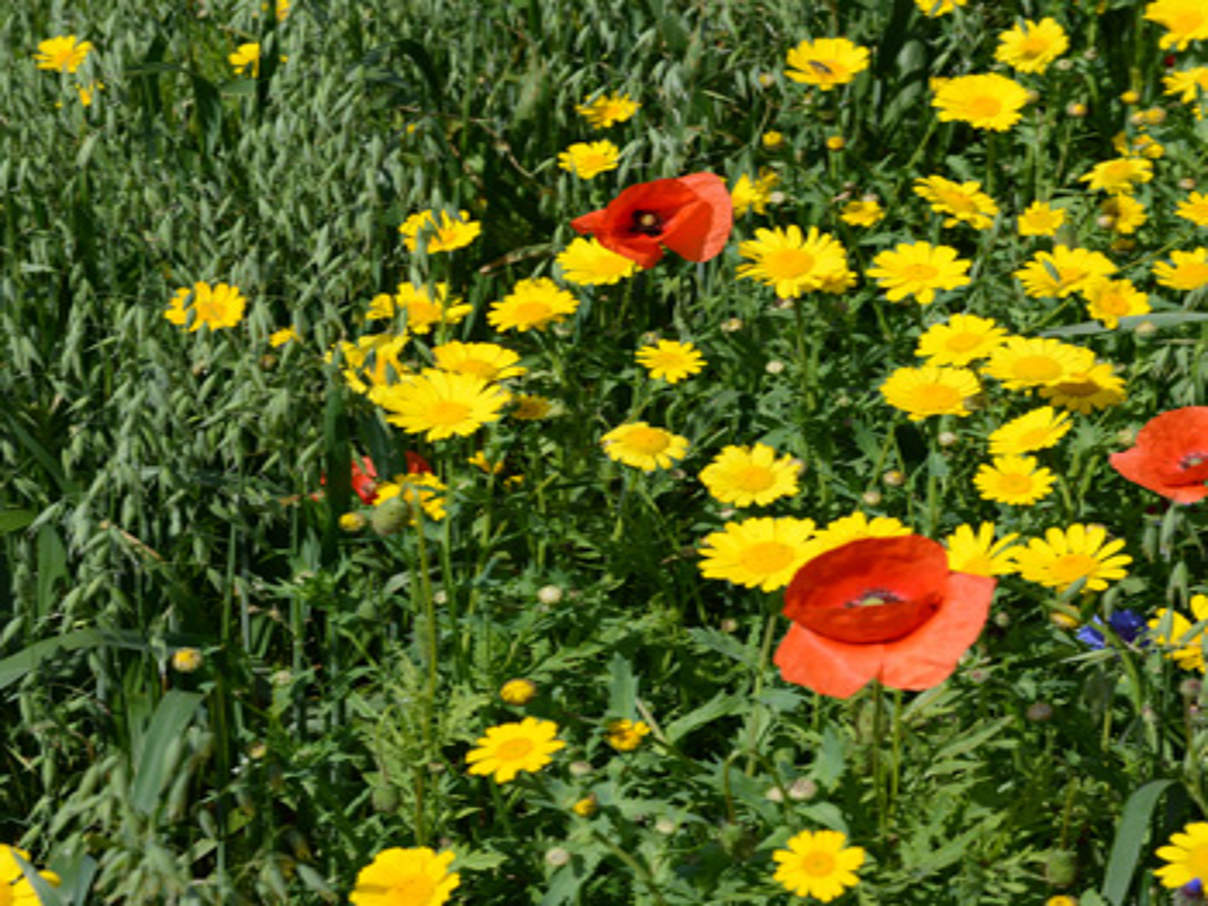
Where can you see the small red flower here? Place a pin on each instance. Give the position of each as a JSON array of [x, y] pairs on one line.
[[364, 479], [690, 215], [880, 608], [416, 464], [1170, 455]]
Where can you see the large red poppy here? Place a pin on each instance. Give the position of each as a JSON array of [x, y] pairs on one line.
[[690, 215], [880, 608], [1170, 455]]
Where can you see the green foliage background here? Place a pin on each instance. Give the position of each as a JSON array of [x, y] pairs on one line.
[[155, 485]]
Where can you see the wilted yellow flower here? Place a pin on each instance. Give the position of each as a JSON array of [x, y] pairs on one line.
[[747, 195], [607, 109], [62, 53]]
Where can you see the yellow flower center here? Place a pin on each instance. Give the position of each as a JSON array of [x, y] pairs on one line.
[[963, 342], [919, 273], [1033, 45], [767, 557], [1072, 567], [646, 440], [984, 107], [959, 202], [448, 412], [1112, 303], [477, 367], [753, 478], [1072, 275], [1037, 368], [412, 889], [1014, 483], [939, 396], [783, 263], [818, 864], [531, 312], [514, 749]]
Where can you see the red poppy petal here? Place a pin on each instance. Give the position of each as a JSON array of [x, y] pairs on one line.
[[710, 227], [645, 251], [828, 667], [927, 656], [416, 464], [588, 223]]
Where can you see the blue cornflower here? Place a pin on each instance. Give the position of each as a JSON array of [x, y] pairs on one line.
[[1124, 623]]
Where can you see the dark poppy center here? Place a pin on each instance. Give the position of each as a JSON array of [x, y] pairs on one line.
[[647, 223], [875, 597], [1194, 460]]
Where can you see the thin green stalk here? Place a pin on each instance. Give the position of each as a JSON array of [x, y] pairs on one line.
[[765, 650], [895, 766], [878, 717], [638, 868]]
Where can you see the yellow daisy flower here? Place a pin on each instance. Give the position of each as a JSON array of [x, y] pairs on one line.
[[930, 390], [508, 749], [405, 877], [1038, 429], [1063, 557], [743, 476], [215, 306], [1095, 388], [826, 62], [282, 336], [1022, 362], [1184, 20], [986, 101], [607, 109], [245, 57], [1118, 176], [372, 358], [62, 53], [747, 195], [1111, 300], [964, 202], [866, 212], [421, 311], [588, 263], [1122, 213], [1032, 46], [1040, 219], [762, 552], [1195, 206], [1013, 479], [588, 159], [936, 8], [818, 864], [488, 361], [852, 528], [919, 269], [625, 735], [1183, 644], [792, 263], [960, 340], [518, 691], [1062, 271], [445, 235], [438, 404], [1187, 855], [532, 304], [978, 554], [643, 446], [1186, 270], [670, 360], [413, 488], [1187, 83]]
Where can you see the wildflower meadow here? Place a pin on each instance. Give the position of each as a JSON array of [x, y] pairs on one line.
[[596, 452]]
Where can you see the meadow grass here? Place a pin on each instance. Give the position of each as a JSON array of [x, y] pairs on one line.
[[217, 691]]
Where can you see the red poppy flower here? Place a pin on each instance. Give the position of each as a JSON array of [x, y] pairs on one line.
[[1170, 455], [364, 479], [416, 464], [880, 608], [691, 215]]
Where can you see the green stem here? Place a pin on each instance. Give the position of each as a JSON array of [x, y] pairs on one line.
[[639, 868], [765, 650]]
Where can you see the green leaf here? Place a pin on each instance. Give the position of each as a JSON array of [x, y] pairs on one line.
[[14, 667], [720, 705], [829, 762], [1130, 837], [15, 520], [47, 895], [623, 689], [172, 715]]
